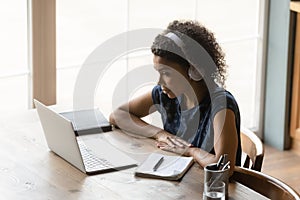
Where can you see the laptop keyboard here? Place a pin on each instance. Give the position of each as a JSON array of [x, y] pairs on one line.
[[92, 162]]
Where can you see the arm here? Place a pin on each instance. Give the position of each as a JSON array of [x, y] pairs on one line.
[[225, 141], [128, 116]]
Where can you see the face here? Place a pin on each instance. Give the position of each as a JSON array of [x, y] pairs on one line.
[[172, 77]]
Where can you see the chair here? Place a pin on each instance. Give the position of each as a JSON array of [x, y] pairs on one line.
[[253, 150], [264, 184]]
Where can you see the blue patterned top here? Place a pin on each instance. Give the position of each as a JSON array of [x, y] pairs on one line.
[[196, 125]]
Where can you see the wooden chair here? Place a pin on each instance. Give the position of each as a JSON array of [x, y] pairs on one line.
[[253, 150], [264, 184]]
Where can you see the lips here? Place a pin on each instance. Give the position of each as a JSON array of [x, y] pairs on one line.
[[168, 92], [165, 90]]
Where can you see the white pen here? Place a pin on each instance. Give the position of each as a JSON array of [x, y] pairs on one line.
[[225, 166], [156, 166]]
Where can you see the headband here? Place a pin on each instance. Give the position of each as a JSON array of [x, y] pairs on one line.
[[175, 39], [193, 73]]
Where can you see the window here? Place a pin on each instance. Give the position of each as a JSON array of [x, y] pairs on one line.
[[82, 26], [13, 49]]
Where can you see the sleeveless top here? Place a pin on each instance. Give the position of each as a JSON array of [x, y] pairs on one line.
[[196, 125]]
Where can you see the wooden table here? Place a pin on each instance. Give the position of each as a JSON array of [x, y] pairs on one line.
[[28, 170]]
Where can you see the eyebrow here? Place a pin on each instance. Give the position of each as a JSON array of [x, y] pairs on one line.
[[162, 67]]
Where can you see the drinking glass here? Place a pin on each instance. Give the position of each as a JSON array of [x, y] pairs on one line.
[[214, 190], [213, 174]]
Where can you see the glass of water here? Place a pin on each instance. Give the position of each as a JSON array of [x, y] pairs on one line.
[[214, 190]]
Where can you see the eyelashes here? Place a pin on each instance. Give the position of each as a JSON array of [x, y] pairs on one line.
[[164, 73]]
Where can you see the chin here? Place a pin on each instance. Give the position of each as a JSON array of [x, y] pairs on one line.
[[171, 96]]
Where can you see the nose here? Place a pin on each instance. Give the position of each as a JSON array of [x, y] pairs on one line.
[[160, 81]]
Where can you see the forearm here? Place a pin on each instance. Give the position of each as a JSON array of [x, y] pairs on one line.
[[202, 157], [133, 124]]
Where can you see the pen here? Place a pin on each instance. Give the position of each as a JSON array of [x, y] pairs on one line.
[[156, 166], [220, 162], [226, 165]]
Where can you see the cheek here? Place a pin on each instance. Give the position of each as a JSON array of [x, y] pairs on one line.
[[180, 85], [179, 81], [177, 87], [176, 82]]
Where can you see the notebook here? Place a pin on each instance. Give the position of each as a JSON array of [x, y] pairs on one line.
[[90, 153], [162, 166]]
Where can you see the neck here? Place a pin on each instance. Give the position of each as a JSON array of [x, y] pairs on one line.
[[193, 98]]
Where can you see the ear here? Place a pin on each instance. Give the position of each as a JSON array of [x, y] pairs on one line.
[[194, 74]]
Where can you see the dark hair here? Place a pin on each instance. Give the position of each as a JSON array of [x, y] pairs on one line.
[[198, 33]]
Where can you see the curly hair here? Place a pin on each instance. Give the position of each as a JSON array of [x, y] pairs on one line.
[[200, 34]]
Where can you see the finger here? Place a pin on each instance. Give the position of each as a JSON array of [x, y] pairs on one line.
[[161, 144], [167, 148], [170, 142], [175, 149], [179, 142], [184, 142]]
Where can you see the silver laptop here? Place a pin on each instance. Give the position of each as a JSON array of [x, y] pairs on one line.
[[91, 154]]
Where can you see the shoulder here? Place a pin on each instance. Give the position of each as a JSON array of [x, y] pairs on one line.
[[223, 99], [159, 97], [156, 91], [156, 94], [219, 94]]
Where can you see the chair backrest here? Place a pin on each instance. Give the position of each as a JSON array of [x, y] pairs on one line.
[[253, 148], [266, 185]]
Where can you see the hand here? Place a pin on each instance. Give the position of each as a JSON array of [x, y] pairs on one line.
[[169, 142]]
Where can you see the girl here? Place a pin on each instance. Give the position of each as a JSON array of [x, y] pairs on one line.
[[200, 118]]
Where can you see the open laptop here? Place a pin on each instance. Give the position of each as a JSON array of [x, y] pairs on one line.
[[91, 154]]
